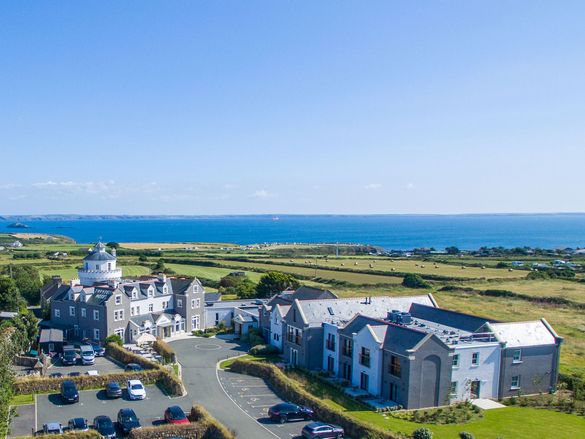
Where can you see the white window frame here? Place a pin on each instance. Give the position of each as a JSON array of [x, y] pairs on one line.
[[475, 359], [57, 313], [150, 307], [83, 312], [195, 324], [516, 380], [516, 359], [456, 361], [96, 333], [71, 311], [179, 303], [118, 299], [453, 389], [96, 314]]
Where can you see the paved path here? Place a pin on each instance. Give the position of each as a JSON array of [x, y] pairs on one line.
[[198, 358]]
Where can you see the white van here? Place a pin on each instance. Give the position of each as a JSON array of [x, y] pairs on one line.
[[87, 355]]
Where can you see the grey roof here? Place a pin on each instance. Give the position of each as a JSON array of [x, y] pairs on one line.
[[139, 320], [401, 339], [100, 295], [212, 297], [302, 293], [51, 335], [99, 253], [449, 318], [340, 311], [516, 334], [180, 285], [241, 318], [358, 322]]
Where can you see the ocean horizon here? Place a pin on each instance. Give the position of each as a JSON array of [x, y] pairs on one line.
[[388, 231]]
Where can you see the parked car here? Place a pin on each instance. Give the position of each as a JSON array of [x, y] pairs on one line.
[[52, 428], [284, 412], [128, 420], [104, 426], [69, 392], [56, 375], [136, 389], [133, 367], [78, 424], [318, 430], [113, 390], [92, 373], [175, 415], [98, 350], [74, 374], [87, 355], [69, 357]]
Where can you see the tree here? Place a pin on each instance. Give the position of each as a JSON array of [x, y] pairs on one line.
[[245, 289], [113, 245], [28, 281], [422, 433], [142, 258], [26, 329], [275, 282], [10, 298], [412, 280], [7, 353], [452, 250]]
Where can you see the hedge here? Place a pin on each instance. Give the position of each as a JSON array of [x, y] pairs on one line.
[[90, 434], [202, 426], [125, 356], [288, 389], [165, 350]]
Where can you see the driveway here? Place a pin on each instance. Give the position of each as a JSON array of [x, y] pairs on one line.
[[198, 358], [103, 365]]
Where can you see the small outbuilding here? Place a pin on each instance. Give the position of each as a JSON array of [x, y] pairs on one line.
[[51, 340]]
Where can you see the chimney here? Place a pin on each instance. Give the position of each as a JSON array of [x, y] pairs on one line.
[[114, 251]]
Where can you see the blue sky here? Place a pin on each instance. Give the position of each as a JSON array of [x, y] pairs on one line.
[[215, 107]]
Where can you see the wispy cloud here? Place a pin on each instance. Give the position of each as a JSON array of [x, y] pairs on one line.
[[261, 193], [90, 187], [410, 186], [373, 186]]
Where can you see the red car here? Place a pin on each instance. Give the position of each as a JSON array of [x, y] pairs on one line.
[[176, 415]]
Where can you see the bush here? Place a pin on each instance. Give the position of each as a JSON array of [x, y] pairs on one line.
[[90, 434], [215, 430], [412, 280], [288, 389], [422, 433], [466, 435], [165, 350], [114, 338], [264, 349]]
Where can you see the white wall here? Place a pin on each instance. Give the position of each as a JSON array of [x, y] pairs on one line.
[[487, 372], [328, 328], [364, 338], [157, 304], [225, 315], [276, 329]]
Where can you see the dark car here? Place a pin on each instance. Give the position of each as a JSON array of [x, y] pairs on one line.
[[128, 420], [99, 351], [288, 412], [113, 390], [69, 392], [175, 415], [78, 424], [56, 375], [133, 367], [74, 374], [320, 430], [69, 357], [104, 426]]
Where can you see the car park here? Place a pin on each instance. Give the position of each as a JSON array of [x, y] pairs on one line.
[[105, 427], [78, 424], [98, 350], [52, 428], [127, 420], [69, 392], [319, 430], [69, 357], [133, 367], [113, 390], [285, 412], [87, 355], [175, 415], [136, 389]]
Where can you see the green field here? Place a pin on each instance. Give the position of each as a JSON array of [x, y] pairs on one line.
[[213, 273], [68, 273]]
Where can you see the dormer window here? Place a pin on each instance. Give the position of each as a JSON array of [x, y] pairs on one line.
[[150, 292], [165, 289], [134, 294], [97, 267]]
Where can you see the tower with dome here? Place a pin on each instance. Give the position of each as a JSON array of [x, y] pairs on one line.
[[99, 266]]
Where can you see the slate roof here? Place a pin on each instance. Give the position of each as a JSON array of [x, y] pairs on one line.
[[302, 293], [401, 339], [340, 311], [358, 322], [51, 335], [139, 320], [179, 286], [99, 253], [517, 334], [379, 331], [453, 319], [100, 295], [212, 297]]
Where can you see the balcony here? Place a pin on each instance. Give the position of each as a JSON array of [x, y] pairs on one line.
[[365, 360], [330, 344]]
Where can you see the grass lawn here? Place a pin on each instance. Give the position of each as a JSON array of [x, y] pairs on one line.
[[266, 358], [23, 399], [213, 273], [506, 423], [68, 273]]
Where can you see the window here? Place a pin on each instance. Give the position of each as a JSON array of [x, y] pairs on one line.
[[453, 390], [179, 303], [517, 356], [364, 381], [216, 318], [109, 266], [150, 307], [72, 311], [347, 348], [365, 357], [515, 382], [119, 332], [195, 322], [395, 366], [195, 303], [137, 310], [164, 305], [346, 371], [57, 313], [119, 315], [83, 312], [456, 360], [96, 334], [330, 343], [96, 316], [97, 267], [118, 299], [330, 363], [393, 392], [134, 294], [132, 311], [475, 359], [150, 292]]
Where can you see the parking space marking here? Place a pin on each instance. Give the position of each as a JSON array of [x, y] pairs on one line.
[[260, 395], [262, 406]]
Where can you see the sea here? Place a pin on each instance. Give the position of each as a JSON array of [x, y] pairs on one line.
[[390, 232]]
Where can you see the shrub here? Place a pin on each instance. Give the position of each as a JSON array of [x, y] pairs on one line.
[[264, 349], [422, 433], [187, 431], [124, 356], [215, 430], [466, 435], [412, 280], [165, 350], [114, 338], [90, 434]]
